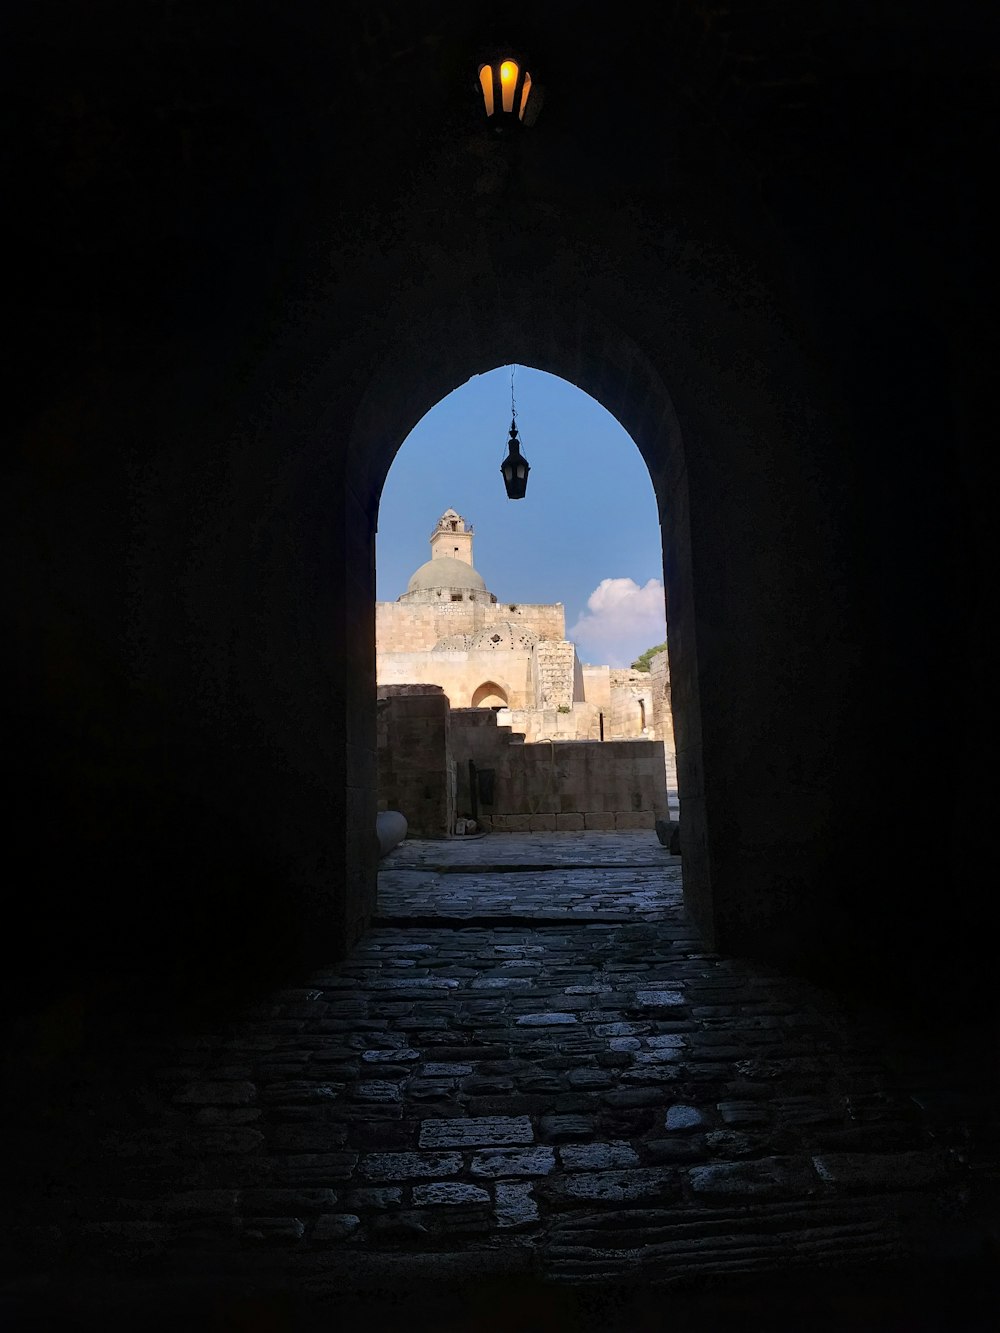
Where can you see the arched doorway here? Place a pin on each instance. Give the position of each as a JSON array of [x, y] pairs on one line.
[[586, 350], [744, 601], [489, 695]]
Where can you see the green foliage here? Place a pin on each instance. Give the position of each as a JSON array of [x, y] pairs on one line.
[[564, 708], [642, 662]]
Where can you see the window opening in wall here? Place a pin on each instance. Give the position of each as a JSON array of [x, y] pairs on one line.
[[456, 596], [642, 715]]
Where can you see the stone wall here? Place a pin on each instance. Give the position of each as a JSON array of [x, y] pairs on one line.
[[559, 784], [581, 723], [537, 676], [548, 621], [408, 627], [663, 721], [460, 674], [555, 674], [631, 712], [415, 627], [416, 773], [424, 749], [597, 686]]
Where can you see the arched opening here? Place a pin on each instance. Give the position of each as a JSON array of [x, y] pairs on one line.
[[321, 634], [489, 695], [231, 316], [612, 372], [730, 889], [566, 592]]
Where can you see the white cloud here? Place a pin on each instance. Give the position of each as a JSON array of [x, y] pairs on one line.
[[622, 620]]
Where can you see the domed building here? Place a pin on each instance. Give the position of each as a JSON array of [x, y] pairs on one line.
[[448, 629], [446, 577], [449, 575]]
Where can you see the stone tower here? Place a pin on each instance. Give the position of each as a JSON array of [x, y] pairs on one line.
[[452, 538]]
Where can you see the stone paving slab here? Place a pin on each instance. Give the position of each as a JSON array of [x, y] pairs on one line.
[[641, 892], [633, 1105], [594, 849]]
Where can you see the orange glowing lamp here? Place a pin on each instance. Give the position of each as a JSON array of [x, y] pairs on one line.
[[507, 93]]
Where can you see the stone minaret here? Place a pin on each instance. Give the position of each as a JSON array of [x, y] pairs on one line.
[[452, 538]]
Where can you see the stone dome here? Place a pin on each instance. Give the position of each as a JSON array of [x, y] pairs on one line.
[[503, 634], [444, 572]]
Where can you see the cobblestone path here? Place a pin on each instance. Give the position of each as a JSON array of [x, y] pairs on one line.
[[535, 876], [587, 1096], [592, 851]]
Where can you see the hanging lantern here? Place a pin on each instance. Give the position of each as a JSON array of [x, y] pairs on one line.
[[507, 94], [515, 467]]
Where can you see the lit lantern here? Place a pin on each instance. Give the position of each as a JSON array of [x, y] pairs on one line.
[[506, 89], [515, 467]]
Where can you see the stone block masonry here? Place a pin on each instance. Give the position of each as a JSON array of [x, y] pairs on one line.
[[406, 627], [424, 753], [557, 785], [555, 675], [663, 723], [415, 773]]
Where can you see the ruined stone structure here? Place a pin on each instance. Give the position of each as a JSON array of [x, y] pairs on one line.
[[448, 629], [440, 766]]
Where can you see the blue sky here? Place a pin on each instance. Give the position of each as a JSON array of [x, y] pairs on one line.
[[586, 534]]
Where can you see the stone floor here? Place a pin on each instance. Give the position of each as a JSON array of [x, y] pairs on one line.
[[550, 1088], [531, 876]]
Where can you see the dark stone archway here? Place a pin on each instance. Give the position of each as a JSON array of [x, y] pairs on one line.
[[237, 294], [742, 446]]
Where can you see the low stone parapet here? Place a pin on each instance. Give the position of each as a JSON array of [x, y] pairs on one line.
[[444, 764]]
